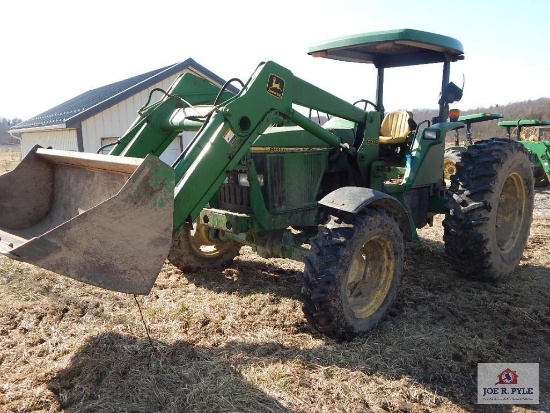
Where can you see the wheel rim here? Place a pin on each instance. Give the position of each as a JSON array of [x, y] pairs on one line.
[[449, 168], [202, 244], [370, 277], [510, 212]]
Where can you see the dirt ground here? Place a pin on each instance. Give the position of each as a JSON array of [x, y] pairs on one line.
[[237, 341]]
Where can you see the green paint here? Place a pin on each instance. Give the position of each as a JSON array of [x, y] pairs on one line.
[[540, 150], [261, 166]]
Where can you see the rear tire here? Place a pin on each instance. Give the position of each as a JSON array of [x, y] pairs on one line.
[[352, 272], [193, 250], [490, 202]]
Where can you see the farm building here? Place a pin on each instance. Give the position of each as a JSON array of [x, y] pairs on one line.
[[101, 116]]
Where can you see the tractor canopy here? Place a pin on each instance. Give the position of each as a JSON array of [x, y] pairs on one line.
[[524, 129], [398, 48], [479, 117], [393, 48], [524, 122]]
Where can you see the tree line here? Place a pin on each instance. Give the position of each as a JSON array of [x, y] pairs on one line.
[[5, 125], [538, 109]]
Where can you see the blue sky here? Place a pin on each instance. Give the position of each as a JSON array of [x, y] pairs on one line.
[[58, 49]]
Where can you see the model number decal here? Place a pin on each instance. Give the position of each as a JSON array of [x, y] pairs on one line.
[[230, 137], [279, 149]]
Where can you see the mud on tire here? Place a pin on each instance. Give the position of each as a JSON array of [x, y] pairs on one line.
[[490, 204], [352, 272], [192, 249]]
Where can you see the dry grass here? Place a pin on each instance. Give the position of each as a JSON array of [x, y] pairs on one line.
[[9, 158], [236, 341]]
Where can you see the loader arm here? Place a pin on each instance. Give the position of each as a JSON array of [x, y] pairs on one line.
[[107, 220], [267, 97], [153, 131], [231, 128]]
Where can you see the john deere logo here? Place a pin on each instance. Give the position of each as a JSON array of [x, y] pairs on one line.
[[275, 86]]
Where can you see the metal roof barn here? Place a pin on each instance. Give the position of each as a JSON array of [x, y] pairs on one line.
[[102, 115]]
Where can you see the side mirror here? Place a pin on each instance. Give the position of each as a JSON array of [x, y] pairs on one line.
[[452, 93]]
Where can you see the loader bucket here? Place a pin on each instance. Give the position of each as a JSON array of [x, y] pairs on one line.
[[101, 219]]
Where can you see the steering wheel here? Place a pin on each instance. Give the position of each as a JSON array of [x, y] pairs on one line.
[[368, 102]]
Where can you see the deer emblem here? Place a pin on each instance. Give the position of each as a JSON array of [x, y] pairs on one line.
[[275, 86]]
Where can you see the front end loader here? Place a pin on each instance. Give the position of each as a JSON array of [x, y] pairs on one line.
[[528, 133], [103, 220], [345, 196]]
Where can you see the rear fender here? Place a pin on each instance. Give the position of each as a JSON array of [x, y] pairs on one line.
[[352, 199]]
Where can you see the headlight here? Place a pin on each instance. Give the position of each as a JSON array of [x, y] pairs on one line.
[[243, 179], [430, 134]]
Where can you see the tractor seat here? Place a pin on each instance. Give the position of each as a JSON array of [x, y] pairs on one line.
[[396, 126]]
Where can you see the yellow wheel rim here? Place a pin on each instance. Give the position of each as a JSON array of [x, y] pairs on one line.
[[449, 168], [202, 244], [370, 277], [510, 212]]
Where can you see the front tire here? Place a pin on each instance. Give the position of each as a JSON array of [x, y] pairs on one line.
[[490, 201], [352, 272], [193, 250]]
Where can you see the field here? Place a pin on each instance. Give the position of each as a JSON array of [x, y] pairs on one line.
[[9, 158], [236, 340]]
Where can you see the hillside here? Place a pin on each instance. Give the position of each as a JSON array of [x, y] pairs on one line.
[[532, 109], [5, 137]]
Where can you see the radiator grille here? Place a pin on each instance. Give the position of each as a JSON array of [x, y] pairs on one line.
[[235, 197], [277, 193], [294, 179]]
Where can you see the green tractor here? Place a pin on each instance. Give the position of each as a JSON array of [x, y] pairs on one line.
[[345, 197], [535, 136], [452, 153]]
